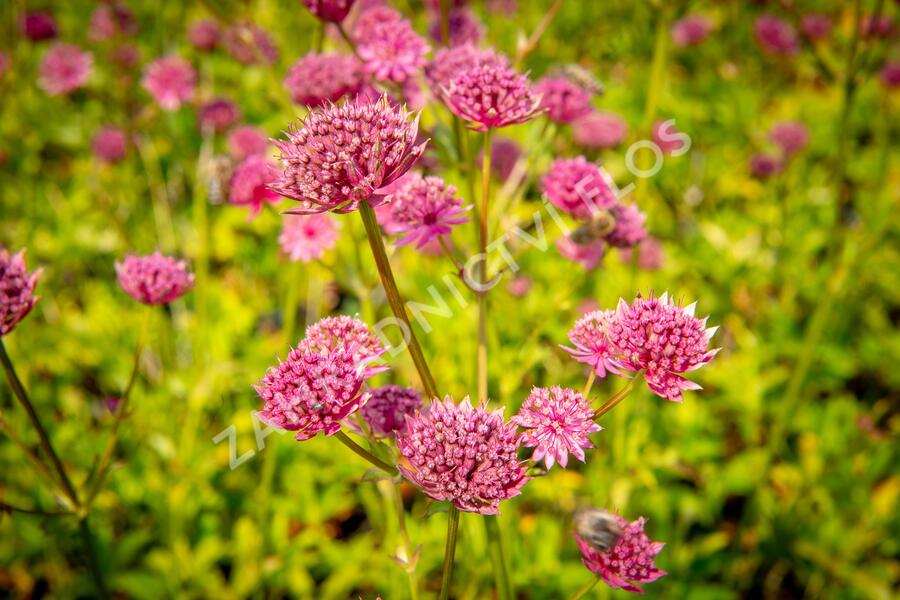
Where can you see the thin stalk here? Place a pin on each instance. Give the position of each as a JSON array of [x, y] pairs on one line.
[[589, 384], [482, 356], [404, 539], [654, 85], [39, 465], [619, 396], [449, 551], [348, 40], [449, 252], [376, 243], [498, 558], [289, 310], [9, 508], [360, 451], [585, 589], [538, 32], [319, 41]]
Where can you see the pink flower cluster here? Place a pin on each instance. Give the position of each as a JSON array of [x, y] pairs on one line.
[[690, 30], [628, 562], [385, 412], [64, 69], [463, 28], [492, 96], [391, 50], [250, 183], [218, 115], [319, 79], [790, 136], [448, 63], [775, 36], [422, 209], [577, 187], [557, 422], [332, 11], [110, 144], [563, 100], [16, 290], [204, 34], [600, 130], [308, 237], [247, 140], [155, 278], [250, 44], [170, 80]]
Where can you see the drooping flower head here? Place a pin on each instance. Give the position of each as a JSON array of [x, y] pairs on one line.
[[462, 28], [170, 80], [247, 140], [587, 254], [307, 237], [599, 129], [664, 340], [218, 115], [668, 137], [318, 79], [557, 422], [350, 333], [776, 36], [250, 44], [577, 187], [629, 229], [763, 166], [39, 26], [204, 34], [815, 26], [250, 183], [628, 562], [110, 144], [592, 346], [16, 290], [155, 278], [790, 136], [331, 11], [64, 68], [563, 100], [448, 63], [492, 96], [424, 208], [340, 156], [690, 30], [386, 410], [463, 455], [111, 20], [392, 51]]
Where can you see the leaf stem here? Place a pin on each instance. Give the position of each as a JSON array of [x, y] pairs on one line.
[[449, 551], [619, 396], [482, 357], [360, 451], [498, 558], [585, 589]]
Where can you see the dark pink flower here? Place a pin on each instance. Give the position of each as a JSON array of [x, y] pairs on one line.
[[170, 80], [424, 208], [110, 144], [629, 229], [343, 155], [4, 64], [39, 26], [776, 36], [125, 55], [667, 137], [450, 62], [204, 34], [372, 17], [332, 11], [155, 278], [763, 166], [577, 187], [519, 286], [628, 562], [392, 51], [505, 154], [790, 136], [590, 338], [247, 140], [350, 333], [557, 422], [463, 455], [492, 96], [587, 254], [320, 79], [463, 28], [650, 254], [386, 410], [890, 75], [664, 340], [111, 20], [218, 115], [64, 68], [16, 290], [563, 100], [250, 183], [880, 27], [599, 130], [307, 237], [250, 44], [690, 30], [815, 26]]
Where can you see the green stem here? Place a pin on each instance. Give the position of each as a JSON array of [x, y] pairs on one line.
[[393, 296], [39, 465], [619, 396], [404, 539], [449, 551], [482, 356], [585, 589], [444, 7], [360, 451], [654, 85], [9, 508], [589, 384], [87, 538], [498, 558], [348, 39], [289, 310]]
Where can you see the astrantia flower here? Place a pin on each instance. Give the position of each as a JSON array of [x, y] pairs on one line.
[[667, 137], [392, 51], [307, 237], [463, 455], [664, 340], [110, 144], [170, 80], [890, 75], [505, 153], [386, 410], [350, 333], [492, 96], [790, 136], [599, 130], [154, 279], [776, 36], [629, 229], [881, 26], [519, 286], [763, 166], [450, 62], [16, 290], [64, 68], [590, 338], [628, 562], [125, 55], [557, 422], [247, 140], [250, 183], [332, 11], [577, 187], [250, 44], [218, 115], [424, 208], [111, 20], [204, 34], [587, 254], [318, 79], [462, 28], [38, 26], [343, 155], [4, 64], [815, 26], [563, 100], [690, 30]]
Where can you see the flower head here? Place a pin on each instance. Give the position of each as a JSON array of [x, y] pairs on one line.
[[111, 20], [563, 100], [462, 28], [815, 26], [590, 338], [776, 36], [332, 11], [599, 130], [662, 339], [628, 562], [392, 51], [39, 26], [492, 96], [307, 237], [247, 140], [343, 155], [250, 183], [577, 187], [154, 279], [890, 75], [629, 229], [204, 34], [690, 30], [16, 290], [4, 64], [218, 115], [125, 55], [557, 422], [790, 136], [386, 410], [587, 254], [424, 208], [505, 153], [462, 454], [350, 333], [64, 68], [450, 62], [319, 79], [763, 166], [110, 144], [250, 44], [667, 137], [170, 80]]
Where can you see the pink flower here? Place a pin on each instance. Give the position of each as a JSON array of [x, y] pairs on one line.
[[599, 130], [218, 115], [463, 28], [344, 155], [448, 63], [562, 99], [386, 410], [170, 80], [881, 27], [16, 290], [519, 286], [423, 209], [392, 51], [590, 338], [154, 279], [64, 68], [247, 140], [628, 562], [790, 136], [111, 20], [763, 166], [505, 154], [815, 26], [690, 30], [39, 26], [492, 96], [650, 254], [345, 332], [776, 36], [250, 183], [204, 34], [629, 229], [307, 237], [586, 254], [250, 44], [4, 64], [320, 79], [125, 55], [557, 422], [461, 454], [577, 187], [662, 339], [332, 11], [110, 144], [667, 137], [890, 75]]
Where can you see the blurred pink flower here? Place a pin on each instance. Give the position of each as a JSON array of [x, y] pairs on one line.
[[519, 286], [590, 338], [879, 27], [392, 51], [563, 100], [4, 64], [249, 44], [250, 183], [650, 254], [155, 278], [667, 136], [790, 136], [577, 187], [332, 11], [557, 422], [64, 68], [890, 75], [690, 30], [776, 36], [125, 55], [16, 290], [450, 62], [170, 80], [218, 114], [588, 255], [247, 140], [505, 153], [463, 28], [307, 237], [424, 208], [386, 410], [815, 26], [628, 562], [39, 26], [204, 34], [492, 96], [110, 144], [319, 79], [599, 130], [111, 20], [629, 229], [763, 166], [350, 333]]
